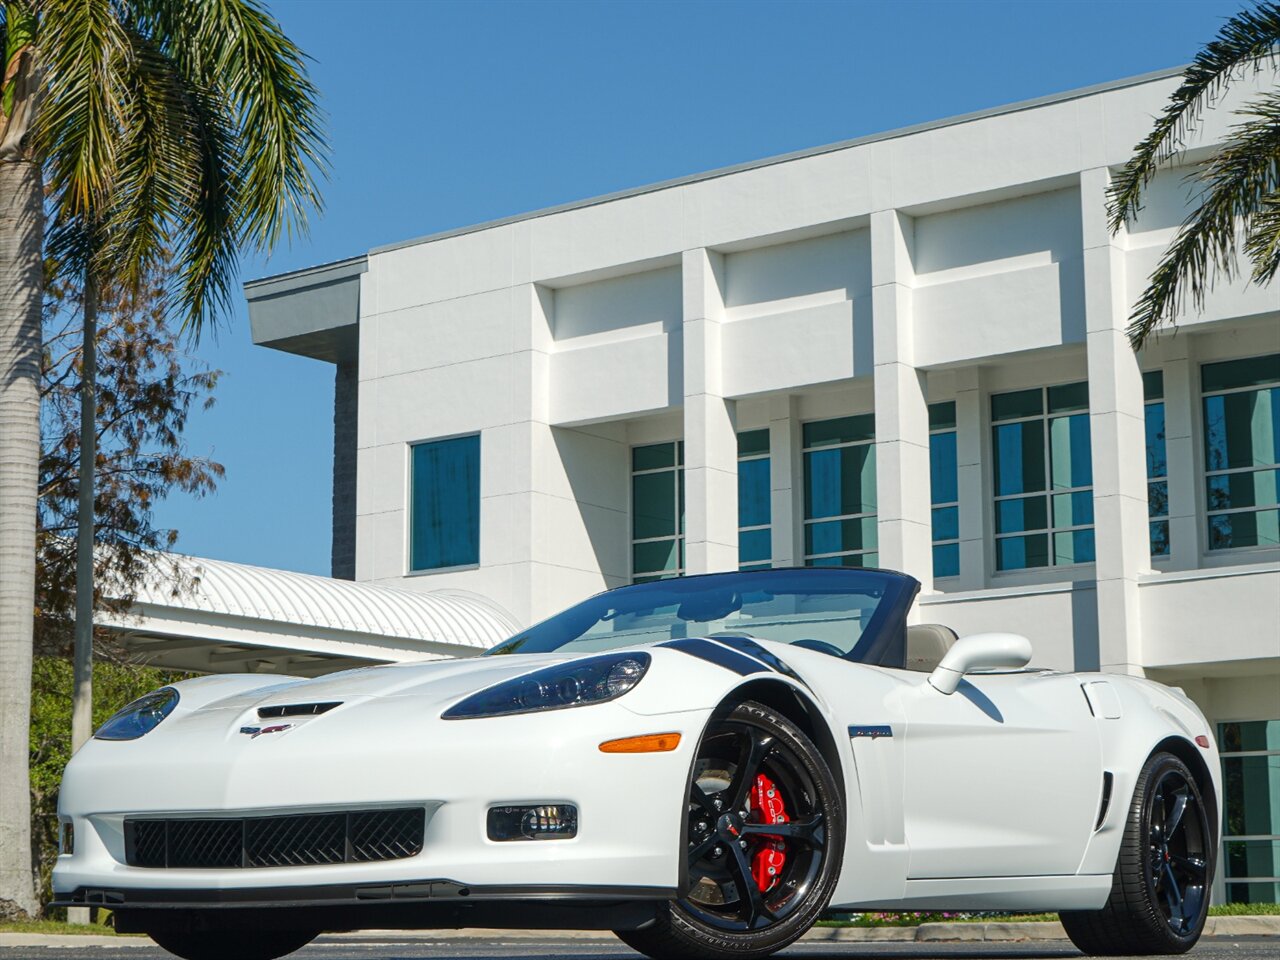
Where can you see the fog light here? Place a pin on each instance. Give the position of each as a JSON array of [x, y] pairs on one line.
[[541, 822], [67, 838]]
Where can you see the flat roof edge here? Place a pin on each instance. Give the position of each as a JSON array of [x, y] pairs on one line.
[[896, 133], [307, 276]]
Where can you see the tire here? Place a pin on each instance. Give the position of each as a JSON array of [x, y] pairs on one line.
[[755, 759], [228, 944], [1160, 890]]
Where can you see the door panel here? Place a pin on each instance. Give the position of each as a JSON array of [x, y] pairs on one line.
[[1002, 777]]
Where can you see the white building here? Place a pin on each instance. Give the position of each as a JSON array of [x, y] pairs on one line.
[[906, 350]]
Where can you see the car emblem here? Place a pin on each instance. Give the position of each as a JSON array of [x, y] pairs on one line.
[[253, 733]]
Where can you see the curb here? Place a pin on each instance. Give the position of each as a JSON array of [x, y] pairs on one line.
[[991, 932]]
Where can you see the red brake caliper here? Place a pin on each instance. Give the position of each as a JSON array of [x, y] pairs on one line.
[[769, 857]]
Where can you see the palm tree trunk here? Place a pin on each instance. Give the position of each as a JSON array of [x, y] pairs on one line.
[[21, 296], [82, 695]]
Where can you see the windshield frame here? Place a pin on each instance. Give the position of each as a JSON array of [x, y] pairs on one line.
[[882, 643]]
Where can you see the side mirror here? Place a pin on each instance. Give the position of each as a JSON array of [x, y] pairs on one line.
[[982, 651]]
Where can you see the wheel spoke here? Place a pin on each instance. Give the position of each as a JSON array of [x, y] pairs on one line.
[[1193, 868], [756, 913], [1174, 819], [810, 831], [1177, 903], [698, 797], [699, 851], [750, 757]]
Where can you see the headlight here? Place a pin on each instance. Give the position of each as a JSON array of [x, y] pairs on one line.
[[575, 684], [140, 717]]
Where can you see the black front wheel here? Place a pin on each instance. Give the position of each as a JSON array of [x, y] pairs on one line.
[[228, 944], [1160, 890], [763, 845]]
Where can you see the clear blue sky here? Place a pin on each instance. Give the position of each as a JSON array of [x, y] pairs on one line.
[[444, 114]]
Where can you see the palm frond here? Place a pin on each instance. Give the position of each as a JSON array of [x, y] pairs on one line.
[[1249, 39], [1237, 181], [82, 45], [237, 48]]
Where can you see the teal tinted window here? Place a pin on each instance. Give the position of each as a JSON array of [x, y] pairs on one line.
[[444, 511], [1237, 374], [1041, 443], [1019, 457], [753, 443], [753, 492], [1015, 406], [1251, 809], [946, 559], [942, 467], [755, 537], [1153, 385], [944, 489], [1157, 465], [942, 416], [1070, 458], [840, 491], [657, 511], [1242, 451], [840, 481], [825, 433]]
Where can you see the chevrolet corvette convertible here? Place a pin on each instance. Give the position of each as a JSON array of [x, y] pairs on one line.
[[703, 765]]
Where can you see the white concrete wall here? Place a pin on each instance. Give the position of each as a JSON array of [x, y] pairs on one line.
[[946, 264]]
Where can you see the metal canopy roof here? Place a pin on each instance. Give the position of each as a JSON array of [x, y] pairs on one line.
[[217, 616]]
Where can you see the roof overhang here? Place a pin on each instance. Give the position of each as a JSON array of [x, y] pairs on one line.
[[313, 312], [212, 616]]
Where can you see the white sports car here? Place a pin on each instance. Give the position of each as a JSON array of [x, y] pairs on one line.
[[704, 765]]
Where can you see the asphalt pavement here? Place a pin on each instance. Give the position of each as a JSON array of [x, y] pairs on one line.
[[384, 947]]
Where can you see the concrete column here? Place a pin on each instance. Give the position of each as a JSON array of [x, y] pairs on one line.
[[710, 434], [786, 479], [901, 408], [346, 405], [971, 430], [1116, 422], [1185, 458]]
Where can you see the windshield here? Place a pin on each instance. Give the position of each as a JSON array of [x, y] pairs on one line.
[[856, 614]]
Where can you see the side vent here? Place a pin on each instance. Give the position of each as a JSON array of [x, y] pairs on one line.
[[296, 710], [1107, 780]]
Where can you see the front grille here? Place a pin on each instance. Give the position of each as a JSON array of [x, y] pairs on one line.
[[305, 839]]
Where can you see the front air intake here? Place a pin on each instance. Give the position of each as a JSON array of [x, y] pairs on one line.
[[295, 840]]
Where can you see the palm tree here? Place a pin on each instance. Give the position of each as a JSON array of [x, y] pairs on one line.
[[152, 131], [1240, 184]]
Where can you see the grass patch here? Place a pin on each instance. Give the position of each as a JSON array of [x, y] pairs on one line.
[[59, 928]]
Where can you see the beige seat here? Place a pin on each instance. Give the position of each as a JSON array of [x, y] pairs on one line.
[[927, 644]]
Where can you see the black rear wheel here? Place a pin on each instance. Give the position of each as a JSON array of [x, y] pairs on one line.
[[1160, 890], [227, 944], [763, 845]]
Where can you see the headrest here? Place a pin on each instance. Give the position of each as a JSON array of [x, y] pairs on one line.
[[927, 644]]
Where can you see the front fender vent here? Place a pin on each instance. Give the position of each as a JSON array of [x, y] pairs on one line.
[[297, 710], [295, 840], [1108, 779]]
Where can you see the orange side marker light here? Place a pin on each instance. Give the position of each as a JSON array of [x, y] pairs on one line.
[[650, 743]]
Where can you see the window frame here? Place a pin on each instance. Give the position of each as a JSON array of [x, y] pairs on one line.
[[1224, 859], [767, 456], [409, 568], [806, 522], [1153, 519], [677, 472], [1045, 417], [1210, 552], [934, 542]]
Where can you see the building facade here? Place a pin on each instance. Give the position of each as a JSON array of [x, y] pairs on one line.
[[905, 351]]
